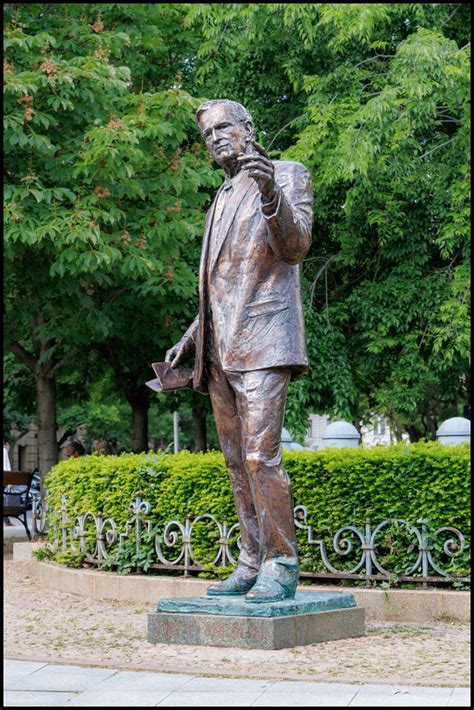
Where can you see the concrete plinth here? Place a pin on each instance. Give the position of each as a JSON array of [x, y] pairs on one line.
[[206, 621]]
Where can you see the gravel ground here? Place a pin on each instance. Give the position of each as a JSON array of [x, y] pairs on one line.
[[59, 627]]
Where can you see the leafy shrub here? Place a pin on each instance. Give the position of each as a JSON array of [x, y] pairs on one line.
[[418, 482]]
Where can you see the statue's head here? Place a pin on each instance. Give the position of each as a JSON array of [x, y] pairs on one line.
[[227, 128]]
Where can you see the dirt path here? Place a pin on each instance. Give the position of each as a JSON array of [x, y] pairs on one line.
[[51, 626]]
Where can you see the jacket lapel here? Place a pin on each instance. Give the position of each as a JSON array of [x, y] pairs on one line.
[[245, 183], [200, 342], [206, 240]]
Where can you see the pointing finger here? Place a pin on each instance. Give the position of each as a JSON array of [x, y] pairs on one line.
[[260, 149]]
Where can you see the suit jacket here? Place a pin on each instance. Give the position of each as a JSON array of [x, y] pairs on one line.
[[250, 283]]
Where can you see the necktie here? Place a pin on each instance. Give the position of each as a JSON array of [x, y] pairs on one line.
[[224, 197]]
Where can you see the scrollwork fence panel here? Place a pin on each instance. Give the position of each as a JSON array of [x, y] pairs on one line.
[[174, 534]]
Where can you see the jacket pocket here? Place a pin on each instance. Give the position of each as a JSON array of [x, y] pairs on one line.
[[261, 308]]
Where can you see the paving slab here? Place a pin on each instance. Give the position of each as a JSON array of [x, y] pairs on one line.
[[118, 698], [225, 685], [20, 668], [59, 678], [301, 699], [401, 696], [209, 699], [27, 698], [143, 681], [289, 686], [306, 693], [460, 697], [34, 684]]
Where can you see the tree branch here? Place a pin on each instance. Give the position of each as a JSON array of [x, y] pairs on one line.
[[23, 355], [454, 12], [282, 129], [54, 368], [437, 147], [318, 275], [117, 293], [377, 56]]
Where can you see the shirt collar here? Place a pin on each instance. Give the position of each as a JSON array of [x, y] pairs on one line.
[[232, 182]]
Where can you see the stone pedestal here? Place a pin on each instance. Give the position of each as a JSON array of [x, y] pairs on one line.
[[311, 617]]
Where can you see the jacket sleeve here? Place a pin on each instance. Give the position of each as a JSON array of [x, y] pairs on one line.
[[289, 216]]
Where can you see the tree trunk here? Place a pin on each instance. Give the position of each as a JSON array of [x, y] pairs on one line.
[[46, 421], [395, 427], [414, 434], [140, 405], [397, 430], [200, 427], [48, 449], [432, 428]]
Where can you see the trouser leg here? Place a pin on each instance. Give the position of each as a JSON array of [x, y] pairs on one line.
[[229, 432], [260, 403]]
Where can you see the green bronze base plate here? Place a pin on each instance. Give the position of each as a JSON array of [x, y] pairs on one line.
[[303, 603]]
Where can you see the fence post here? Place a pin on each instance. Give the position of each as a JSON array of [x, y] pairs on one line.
[[63, 522], [368, 551]]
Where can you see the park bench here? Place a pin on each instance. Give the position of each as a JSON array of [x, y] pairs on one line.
[[15, 502]]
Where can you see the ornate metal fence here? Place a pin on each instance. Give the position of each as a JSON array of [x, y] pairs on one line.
[[97, 538]]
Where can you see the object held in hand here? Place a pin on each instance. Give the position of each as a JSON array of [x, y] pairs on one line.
[[169, 379]]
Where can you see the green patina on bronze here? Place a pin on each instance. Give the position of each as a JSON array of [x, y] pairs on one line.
[[303, 603]]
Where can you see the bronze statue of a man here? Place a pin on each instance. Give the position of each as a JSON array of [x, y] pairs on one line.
[[248, 339]]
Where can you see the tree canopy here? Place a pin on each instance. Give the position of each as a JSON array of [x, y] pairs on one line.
[[107, 183], [105, 186]]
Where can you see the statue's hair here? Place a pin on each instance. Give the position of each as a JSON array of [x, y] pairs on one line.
[[237, 110]]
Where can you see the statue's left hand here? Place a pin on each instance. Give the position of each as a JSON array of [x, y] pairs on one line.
[[261, 169], [180, 352]]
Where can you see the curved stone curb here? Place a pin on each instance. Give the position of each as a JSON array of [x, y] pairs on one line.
[[398, 605]]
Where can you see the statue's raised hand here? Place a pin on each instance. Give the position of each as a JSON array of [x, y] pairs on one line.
[[260, 168]]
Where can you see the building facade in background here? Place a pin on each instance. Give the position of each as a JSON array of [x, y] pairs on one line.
[[24, 452]]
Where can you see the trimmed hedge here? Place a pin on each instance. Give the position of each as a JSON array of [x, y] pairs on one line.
[[422, 481]]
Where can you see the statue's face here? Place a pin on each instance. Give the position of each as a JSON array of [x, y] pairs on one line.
[[224, 135]]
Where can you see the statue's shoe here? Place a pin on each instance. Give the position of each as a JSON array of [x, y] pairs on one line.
[[268, 589], [239, 582]]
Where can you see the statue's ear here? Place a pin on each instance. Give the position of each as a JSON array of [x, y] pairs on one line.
[[249, 129]]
